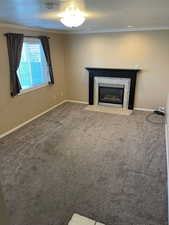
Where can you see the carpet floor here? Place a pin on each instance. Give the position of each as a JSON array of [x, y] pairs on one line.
[[106, 167]]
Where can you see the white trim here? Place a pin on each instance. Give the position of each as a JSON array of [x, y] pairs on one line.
[[26, 27], [30, 120], [144, 109], [71, 31], [22, 92], [133, 29], [46, 111], [74, 101], [86, 103]]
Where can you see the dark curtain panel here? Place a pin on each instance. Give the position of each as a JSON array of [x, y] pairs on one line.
[[14, 44], [46, 48]]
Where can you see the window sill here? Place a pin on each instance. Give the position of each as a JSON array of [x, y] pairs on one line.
[[33, 89]]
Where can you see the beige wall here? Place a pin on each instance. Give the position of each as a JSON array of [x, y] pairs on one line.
[[14, 111], [149, 50], [71, 54]]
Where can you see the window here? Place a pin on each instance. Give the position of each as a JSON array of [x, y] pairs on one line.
[[33, 69]]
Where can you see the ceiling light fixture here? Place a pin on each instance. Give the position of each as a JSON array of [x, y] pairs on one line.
[[72, 17]]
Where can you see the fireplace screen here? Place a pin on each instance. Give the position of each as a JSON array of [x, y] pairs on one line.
[[111, 95]]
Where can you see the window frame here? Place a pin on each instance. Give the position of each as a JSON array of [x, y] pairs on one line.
[[33, 88], [45, 84]]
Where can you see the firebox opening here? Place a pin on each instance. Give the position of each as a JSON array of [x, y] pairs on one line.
[[111, 95]]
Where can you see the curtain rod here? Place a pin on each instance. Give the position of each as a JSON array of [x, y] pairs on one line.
[[27, 36]]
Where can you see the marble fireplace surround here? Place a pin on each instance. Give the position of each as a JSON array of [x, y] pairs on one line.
[[112, 81], [126, 74]]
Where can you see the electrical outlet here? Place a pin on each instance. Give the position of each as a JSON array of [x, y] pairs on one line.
[[137, 66]]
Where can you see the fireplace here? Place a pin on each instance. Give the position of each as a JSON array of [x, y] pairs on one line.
[[111, 95], [111, 91], [113, 87]]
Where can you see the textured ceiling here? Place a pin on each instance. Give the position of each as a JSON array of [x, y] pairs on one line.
[[103, 15]]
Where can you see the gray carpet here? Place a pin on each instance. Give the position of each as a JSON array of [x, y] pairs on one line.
[[107, 167]]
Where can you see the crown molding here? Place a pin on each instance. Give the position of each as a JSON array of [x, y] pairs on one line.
[[22, 27], [133, 29]]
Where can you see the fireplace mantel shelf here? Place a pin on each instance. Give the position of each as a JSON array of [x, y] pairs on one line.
[[113, 72], [100, 68]]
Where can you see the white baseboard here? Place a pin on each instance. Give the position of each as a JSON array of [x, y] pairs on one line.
[[86, 103], [74, 101], [144, 109], [33, 118], [41, 114]]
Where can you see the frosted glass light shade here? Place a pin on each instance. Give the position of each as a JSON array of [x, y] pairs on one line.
[[72, 17]]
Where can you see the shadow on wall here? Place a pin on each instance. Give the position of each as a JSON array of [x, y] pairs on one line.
[[4, 220]]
